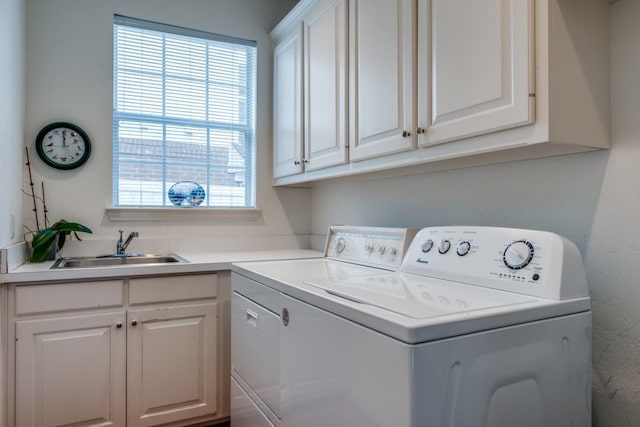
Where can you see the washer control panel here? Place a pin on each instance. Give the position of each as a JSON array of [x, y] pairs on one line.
[[372, 246], [535, 263]]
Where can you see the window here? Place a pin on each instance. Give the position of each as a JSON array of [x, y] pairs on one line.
[[183, 110]]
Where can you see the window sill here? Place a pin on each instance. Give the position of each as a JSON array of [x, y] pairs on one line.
[[183, 214]]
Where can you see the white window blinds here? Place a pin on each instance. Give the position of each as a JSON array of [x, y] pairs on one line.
[[183, 110]]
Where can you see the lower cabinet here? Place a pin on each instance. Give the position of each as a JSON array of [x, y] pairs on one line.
[[71, 371], [171, 362], [137, 352]]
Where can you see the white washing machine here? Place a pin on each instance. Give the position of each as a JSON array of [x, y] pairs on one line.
[[480, 327]]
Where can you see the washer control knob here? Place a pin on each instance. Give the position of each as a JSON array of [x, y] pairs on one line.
[[444, 246], [381, 249], [426, 246], [518, 254], [340, 245], [369, 247], [463, 248], [393, 251]]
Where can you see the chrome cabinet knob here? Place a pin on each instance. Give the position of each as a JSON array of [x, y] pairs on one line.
[[119, 325], [420, 131], [406, 134], [296, 162], [134, 322]]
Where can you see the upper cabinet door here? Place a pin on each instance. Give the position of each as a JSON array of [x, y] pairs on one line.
[[287, 105], [475, 67], [382, 44], [325, 59]]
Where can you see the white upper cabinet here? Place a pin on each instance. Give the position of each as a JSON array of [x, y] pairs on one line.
[[442, 84], [475, 67], [325, 83], [310, 88], [287, 105], [382, 92]]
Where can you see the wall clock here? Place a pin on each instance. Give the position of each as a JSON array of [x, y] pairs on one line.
[[63, 145]]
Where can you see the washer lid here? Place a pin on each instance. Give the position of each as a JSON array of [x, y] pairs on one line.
[[416, 309], [419, 297]]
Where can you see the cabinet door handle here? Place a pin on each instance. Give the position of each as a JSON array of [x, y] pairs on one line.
[[420, 131], [285, 317], [305, 161], [119, 325], [296, 162], [406, 134], [134, 322]]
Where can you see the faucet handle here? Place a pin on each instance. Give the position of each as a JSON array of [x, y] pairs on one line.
[[121, 231]]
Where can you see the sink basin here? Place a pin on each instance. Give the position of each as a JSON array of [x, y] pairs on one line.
[[117, 260]]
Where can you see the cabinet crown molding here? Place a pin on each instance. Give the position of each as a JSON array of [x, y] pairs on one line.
[[293, 18]]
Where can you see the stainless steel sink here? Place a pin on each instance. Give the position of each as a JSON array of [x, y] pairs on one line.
[[117, 260]]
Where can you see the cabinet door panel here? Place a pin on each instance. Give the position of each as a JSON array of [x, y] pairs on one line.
[[287, 106], [71, 371], [475, 67], [172, 364], [325, 59], [382, 79]]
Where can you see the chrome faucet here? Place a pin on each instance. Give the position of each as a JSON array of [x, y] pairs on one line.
[[122, 245]]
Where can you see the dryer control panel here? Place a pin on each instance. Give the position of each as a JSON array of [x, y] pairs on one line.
[[530, 262], [372, 246]]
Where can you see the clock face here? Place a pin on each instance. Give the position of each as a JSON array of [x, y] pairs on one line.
[[63, 145]]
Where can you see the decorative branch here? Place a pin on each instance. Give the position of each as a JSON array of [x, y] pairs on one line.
[[44, 207], [33, 193]]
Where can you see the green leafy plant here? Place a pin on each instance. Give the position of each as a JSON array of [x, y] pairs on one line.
[[50, 239], [43, 242]]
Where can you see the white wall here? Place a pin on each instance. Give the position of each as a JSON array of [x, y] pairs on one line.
[[11, 116], [69, 78], [593, 199], [12, 26]]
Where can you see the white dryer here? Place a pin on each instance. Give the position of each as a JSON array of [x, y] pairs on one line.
[[258, 316], [480, 327]]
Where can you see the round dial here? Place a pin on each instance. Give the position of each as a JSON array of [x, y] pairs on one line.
[[518, 254], [444, 246], [463, 248], [63, 145], [340, 245], [426, 246]]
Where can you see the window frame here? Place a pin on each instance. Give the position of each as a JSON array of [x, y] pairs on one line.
[[247, 129]]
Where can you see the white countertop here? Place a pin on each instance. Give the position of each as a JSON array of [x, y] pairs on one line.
[[198, 263]]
